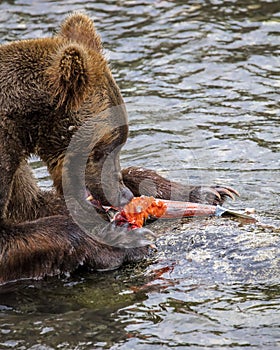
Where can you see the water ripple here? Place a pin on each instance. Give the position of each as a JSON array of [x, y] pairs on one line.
[[201, 83]]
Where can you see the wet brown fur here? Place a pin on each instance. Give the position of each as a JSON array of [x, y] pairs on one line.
[[48, 88]]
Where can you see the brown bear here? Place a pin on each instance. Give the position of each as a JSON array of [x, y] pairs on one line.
[[49, 89]]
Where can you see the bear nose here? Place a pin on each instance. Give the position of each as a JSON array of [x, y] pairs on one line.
[[125, 196]]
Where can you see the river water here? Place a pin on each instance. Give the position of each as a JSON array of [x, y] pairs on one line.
[[201, 82]]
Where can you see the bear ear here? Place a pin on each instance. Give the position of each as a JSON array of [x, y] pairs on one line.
[[71, 74], [80, 28]]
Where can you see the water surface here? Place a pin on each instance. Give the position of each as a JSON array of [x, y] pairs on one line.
[[201, 83]]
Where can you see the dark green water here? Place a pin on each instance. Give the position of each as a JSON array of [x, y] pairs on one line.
[[201, 80]]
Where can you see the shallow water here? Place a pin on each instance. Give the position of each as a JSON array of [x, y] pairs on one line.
[[201, 83]]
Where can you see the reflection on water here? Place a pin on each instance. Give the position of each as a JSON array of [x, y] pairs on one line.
[[201, 83]]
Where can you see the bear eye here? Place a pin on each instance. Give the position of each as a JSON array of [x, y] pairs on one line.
[[98, 154]]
